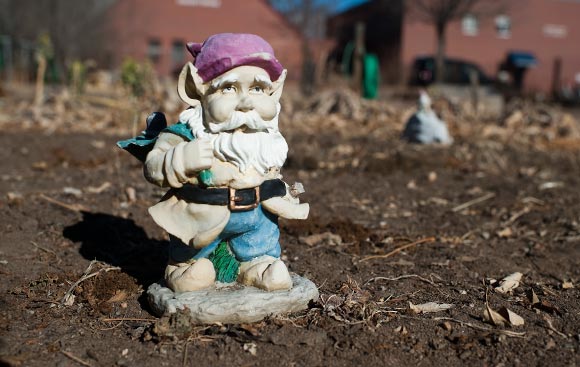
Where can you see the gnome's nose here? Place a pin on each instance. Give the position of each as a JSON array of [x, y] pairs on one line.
[[245, 105]]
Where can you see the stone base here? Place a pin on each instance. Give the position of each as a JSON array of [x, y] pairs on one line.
[[233, 303]]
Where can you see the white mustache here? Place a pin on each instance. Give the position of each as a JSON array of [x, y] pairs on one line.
[[251, 119]]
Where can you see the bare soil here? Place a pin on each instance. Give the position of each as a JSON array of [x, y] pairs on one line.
[[70, 198]]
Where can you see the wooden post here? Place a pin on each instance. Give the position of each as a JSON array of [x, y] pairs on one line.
[[359, 45], [556, 77], [474, 86], [40, 71]]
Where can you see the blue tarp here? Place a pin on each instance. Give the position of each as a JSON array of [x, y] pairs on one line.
[[522, 59]]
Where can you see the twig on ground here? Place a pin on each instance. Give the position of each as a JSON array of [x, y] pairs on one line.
[[399, 249], [551, 327], [85, 276], [184, 361], [112, 327], [73, 207], [128, 319], [512, 334], [466, 205], [406, 276], [287, 319], [42, 248], [516, 216], [75, 358]]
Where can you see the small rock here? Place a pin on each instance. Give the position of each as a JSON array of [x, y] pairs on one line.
[[251, 348], [436, 344], [466, 354], [15, 198], [73, 192]]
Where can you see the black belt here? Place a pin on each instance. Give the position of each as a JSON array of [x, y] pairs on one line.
[[236, 200]]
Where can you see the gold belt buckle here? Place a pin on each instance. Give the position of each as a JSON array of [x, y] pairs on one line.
[[233, 200]]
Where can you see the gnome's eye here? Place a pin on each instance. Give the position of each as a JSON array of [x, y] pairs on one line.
[[229, 89], [257, 89]]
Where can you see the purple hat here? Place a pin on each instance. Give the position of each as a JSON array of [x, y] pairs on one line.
[[225, 51]]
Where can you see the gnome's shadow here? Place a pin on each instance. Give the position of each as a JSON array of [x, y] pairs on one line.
[[120, 242]]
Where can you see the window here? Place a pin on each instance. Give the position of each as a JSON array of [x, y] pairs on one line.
[[205, 3], [154, 50], [177, 52], [555, 30], [503, 26], [470, 25]]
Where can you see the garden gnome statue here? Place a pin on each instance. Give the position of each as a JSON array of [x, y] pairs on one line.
[[221, 163], [424, 126]]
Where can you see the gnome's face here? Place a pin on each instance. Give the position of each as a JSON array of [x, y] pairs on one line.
[[242, 98]]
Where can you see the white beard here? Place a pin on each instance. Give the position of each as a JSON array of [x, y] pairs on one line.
[[262, 148]]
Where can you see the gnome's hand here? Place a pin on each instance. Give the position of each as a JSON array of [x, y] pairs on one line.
[[198, 155]]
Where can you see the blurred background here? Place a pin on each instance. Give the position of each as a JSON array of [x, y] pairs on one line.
[[503, 47]]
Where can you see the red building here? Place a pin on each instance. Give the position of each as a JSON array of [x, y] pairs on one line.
[[548, 29], [159, 29]]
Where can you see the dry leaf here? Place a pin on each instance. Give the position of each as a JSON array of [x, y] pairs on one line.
[[505, 233], [509, 283], [547, 307], [69, 299], [533, 297], [99, 144], [401, 330], [15, 197], [567, 285], [119, 296], [41, 166], [492, 317], [250, 328], [326, 238], [131, 194], [513, 318], [429, 307]]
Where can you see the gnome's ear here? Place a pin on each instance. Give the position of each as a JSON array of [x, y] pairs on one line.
[[190, 86], [278, 85]]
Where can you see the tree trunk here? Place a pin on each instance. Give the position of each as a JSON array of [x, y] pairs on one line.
[[440, 56]]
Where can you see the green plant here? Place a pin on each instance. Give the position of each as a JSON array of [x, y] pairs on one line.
[[136, 77]]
